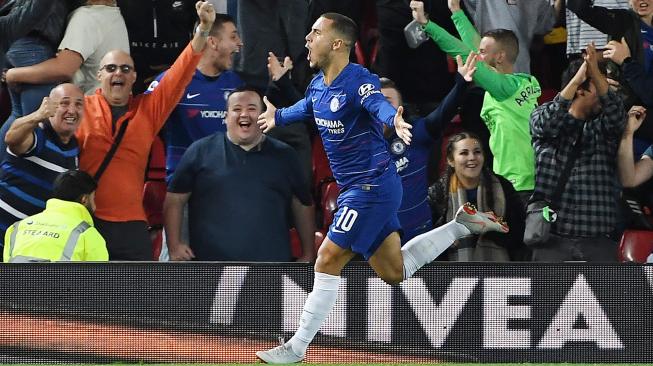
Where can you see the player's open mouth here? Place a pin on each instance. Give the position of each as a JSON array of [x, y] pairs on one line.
[[117, 83], [245, 124]]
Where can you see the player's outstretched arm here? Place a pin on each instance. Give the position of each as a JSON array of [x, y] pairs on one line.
[[402, 127], [266, 121]]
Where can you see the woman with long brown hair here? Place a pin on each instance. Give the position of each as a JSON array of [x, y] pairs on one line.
[[467, 179]]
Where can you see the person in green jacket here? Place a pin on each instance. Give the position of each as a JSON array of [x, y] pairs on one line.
[[64, 230], [509, 98]]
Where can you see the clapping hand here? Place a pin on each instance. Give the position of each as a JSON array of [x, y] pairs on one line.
[[467, 69], [636, 116], [276, 69], [617, 51]]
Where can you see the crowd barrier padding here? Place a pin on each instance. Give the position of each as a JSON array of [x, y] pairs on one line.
[[224, 312]]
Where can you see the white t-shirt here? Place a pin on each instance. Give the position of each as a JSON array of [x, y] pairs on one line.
[[92, 31]]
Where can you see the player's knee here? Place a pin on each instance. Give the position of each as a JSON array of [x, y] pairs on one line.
[[325, 262], [393, 277]]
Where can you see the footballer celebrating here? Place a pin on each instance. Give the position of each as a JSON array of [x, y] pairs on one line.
[[346, 102]]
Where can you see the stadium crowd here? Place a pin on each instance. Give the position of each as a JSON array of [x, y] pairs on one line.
[[511, 103]]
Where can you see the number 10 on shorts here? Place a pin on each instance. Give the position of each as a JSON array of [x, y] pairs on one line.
[[347, 219]]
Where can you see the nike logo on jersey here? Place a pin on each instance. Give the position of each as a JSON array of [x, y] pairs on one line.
[[191, 96]]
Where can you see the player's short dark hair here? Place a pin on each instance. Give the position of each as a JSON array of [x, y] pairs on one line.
[[572, 69], [219, 22], [246, 88], [344, 26], [72, 185], [387, 83], [507, 40]]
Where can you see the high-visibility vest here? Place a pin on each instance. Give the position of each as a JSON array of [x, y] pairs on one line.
[[66, 255]]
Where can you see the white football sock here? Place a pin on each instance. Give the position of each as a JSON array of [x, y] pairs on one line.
[[424, 248], [316, 309]]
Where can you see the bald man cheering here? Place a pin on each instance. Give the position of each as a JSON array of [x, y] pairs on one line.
[[116, 135]]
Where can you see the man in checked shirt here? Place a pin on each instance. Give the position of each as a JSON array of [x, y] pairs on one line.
[[586, 111]]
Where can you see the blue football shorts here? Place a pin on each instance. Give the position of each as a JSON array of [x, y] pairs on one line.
[[366, 215]]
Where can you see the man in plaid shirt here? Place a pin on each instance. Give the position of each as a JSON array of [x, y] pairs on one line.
[[587, 112]]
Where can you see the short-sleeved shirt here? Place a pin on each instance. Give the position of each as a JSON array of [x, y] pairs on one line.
[[649, 152], [240, 202], [92, 31]]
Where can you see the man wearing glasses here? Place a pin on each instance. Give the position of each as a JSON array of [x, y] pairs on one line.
[[119, 215]]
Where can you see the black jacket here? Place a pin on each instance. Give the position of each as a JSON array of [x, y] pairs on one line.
[[158, 31]]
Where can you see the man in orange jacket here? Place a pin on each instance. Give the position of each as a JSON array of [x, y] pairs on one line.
[[120, 217]]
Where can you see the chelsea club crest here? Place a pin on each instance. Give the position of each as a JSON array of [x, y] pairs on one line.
[[335, 104], [398, 147]]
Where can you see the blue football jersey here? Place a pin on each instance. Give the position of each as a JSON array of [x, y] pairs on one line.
[[411, 162], [201, 112], [347, 114]]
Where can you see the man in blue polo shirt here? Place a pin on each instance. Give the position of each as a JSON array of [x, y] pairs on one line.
[[241, 187]]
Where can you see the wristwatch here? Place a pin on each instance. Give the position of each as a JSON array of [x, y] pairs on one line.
[[203, 33]]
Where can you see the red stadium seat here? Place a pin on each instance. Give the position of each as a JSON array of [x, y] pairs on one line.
[[319, 238], [296, 245], [547, 95], [360, 54], [635, 246], [329, 204], [154, 193], [156, 169], [157, 243], [322, 174]]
